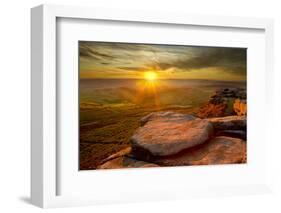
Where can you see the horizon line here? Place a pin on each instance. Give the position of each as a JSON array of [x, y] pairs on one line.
[[159, 79]]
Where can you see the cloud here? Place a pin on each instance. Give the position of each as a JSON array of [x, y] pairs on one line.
[[127, 57], [229, 59], [142, 68], [86, 50]]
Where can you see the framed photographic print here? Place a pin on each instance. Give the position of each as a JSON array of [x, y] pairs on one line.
[[150, 105], [130, 102]]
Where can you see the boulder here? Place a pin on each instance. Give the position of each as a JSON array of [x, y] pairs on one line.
[[229, 123], [240, 107], [219, 150], [125, 162], [168, 133]]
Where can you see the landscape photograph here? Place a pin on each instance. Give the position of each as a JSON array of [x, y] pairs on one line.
[[159, 105]]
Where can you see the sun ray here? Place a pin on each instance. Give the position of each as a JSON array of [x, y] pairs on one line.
[[148, 88]]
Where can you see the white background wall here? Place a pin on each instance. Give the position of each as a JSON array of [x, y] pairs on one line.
[[15, 103]]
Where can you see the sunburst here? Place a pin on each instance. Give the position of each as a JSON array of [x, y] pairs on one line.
[[150, 76]]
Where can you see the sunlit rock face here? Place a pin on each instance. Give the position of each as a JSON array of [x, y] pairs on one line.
[[240, 107], [167, 133], [225, 102]]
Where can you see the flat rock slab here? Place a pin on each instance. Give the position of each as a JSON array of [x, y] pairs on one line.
[[229, 123], [219, 150], [168, 133], [125, 162]]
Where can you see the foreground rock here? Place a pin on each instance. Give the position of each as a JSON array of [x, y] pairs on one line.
[[168, 133], [219, 150], [229, 123], [125, 162]]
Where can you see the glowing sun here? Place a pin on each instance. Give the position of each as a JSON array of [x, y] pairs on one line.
[[150, 76]]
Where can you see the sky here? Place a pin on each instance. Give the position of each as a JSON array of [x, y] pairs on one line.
[[125, 60]]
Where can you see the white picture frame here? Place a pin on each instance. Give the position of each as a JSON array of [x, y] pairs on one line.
[[44, 154]]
